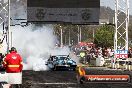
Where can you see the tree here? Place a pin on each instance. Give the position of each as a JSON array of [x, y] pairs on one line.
[[104, 36]]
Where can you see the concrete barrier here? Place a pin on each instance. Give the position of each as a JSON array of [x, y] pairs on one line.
[[126, 64]]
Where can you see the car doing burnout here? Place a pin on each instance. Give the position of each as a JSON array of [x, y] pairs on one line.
[[61, 62]]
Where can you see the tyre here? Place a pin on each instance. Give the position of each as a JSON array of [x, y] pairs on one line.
[[80, 80], [55, 68], [1, 85], [16, 86]]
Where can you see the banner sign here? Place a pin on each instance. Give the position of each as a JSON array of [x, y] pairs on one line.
[[108, 78], [121, 54], [67, 11]]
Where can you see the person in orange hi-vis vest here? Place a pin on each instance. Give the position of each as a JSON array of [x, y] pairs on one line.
[[13, 66], [13, 62]]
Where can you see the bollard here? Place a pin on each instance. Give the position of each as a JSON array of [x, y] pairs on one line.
[[126, 66], [118, 66], [129, 67]]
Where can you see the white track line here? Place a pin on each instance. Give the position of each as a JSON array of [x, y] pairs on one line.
[[54, 83]]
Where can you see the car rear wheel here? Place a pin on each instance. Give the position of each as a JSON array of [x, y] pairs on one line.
[[16, 86], [3, 84], [80, 80], [55, 68]]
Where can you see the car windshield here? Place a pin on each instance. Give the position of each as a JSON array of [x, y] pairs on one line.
[[62, 57]]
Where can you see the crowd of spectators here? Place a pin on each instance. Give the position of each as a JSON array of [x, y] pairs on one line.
[[94, 52]]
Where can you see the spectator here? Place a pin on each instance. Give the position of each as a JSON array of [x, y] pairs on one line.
[[88, 57], [130, 53]]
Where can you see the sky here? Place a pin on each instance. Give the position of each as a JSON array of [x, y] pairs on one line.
[[111, 3]]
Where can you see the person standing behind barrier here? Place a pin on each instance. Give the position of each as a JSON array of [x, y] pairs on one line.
[[13, 66], [88, 57], [130, 53], [1, 58], [1, 61], [82, 56]]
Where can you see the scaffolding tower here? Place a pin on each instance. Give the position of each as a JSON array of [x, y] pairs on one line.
[[5, 21], [121, 25]]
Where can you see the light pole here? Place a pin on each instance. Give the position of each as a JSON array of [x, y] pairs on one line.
[[61, 36], [78, 34], [69, 38], [93, 35]]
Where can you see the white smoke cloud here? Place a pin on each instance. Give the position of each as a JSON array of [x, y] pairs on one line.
[[60, 51], [34, 46]]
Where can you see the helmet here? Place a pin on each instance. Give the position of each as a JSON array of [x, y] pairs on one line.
[[13, 49]]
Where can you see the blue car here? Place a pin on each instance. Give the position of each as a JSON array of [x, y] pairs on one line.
[[61, 62]]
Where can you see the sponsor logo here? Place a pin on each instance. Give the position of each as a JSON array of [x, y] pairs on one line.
[[121, 53], [108, 78], [85, 14], [14, 57], [40, 14]]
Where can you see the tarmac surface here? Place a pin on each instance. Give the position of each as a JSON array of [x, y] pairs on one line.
[[67, 79]]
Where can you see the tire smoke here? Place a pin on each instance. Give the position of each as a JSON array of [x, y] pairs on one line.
[[34, 44]]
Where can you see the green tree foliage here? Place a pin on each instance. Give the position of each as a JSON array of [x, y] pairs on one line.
[[104, 36]]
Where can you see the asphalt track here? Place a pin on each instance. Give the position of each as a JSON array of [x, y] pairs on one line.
[[67, 79]]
